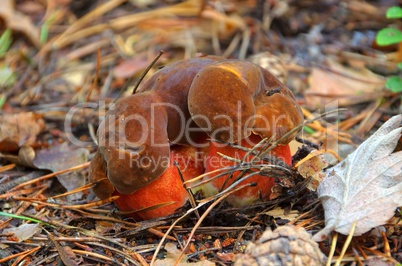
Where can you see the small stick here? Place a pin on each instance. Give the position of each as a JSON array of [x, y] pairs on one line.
[[24, 254], [189, 192], [204, 215], [346, 245], [95, 82], [7, 167], [332, 250], [147, 70], [51, 175]]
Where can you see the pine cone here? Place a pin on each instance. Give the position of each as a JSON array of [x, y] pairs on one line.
[[287, 245]]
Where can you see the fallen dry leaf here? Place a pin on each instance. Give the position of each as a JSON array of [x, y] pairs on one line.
[[130, 67], [366, 187], [19, 129], [63, 157], [56, 158], [17, 21], [283, 214], [23, 232], [343, 84], [314, 165], [173, 254]]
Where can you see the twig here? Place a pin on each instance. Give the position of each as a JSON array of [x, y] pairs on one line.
[[204, 215], [95, 81], [27, 252], [51, 175], [346, 244], [147, 70], [14, 182], [62, 253]]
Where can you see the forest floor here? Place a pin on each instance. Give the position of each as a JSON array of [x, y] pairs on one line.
[[63, 61]]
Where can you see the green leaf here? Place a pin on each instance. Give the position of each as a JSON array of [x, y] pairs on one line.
[[308, 130], [5, 41], [44, 33], [22, 217], [388, 36], [7, 77], [394, 12], [399, 65], [394, 84], [2, 100]]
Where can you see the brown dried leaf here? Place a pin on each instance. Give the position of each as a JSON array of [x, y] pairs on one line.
[[19, 129], [17, 21], [366, 187], [345, 84], [130, 67], [314, 166], [226, 257], [283, 214], [63, 157], [173, 254]]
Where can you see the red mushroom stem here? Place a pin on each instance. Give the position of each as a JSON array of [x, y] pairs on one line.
[[167, 189], [247, 195]]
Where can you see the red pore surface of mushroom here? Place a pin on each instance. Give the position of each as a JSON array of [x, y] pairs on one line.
[[167, 189], [247, 195]]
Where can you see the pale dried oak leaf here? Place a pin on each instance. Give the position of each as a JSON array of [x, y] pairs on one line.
[[366, 187]]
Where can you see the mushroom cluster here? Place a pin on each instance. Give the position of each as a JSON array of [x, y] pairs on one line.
[[151, 141]]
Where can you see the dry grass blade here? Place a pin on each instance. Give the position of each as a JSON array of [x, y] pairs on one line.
[[144, 73], [20, 192], [381, 255], [81, 166], [227, 170], [189, 8], [204, 215], [20, 255], [308, 157], [63, 255], [184, 216], [346, 245], [95, 81], [190, 194], [332, 249], [7, 167], [77, 190], [95, 255], [63, 206], [82, 22], [341, 136]]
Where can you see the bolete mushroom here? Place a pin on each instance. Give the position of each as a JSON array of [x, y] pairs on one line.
[[136, 135], [240, 102], [227, 99]]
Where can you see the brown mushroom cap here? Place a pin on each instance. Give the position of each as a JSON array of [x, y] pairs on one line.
[[97, 172], [157, 113], [231, 98], [172, 84], [133, 142]]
